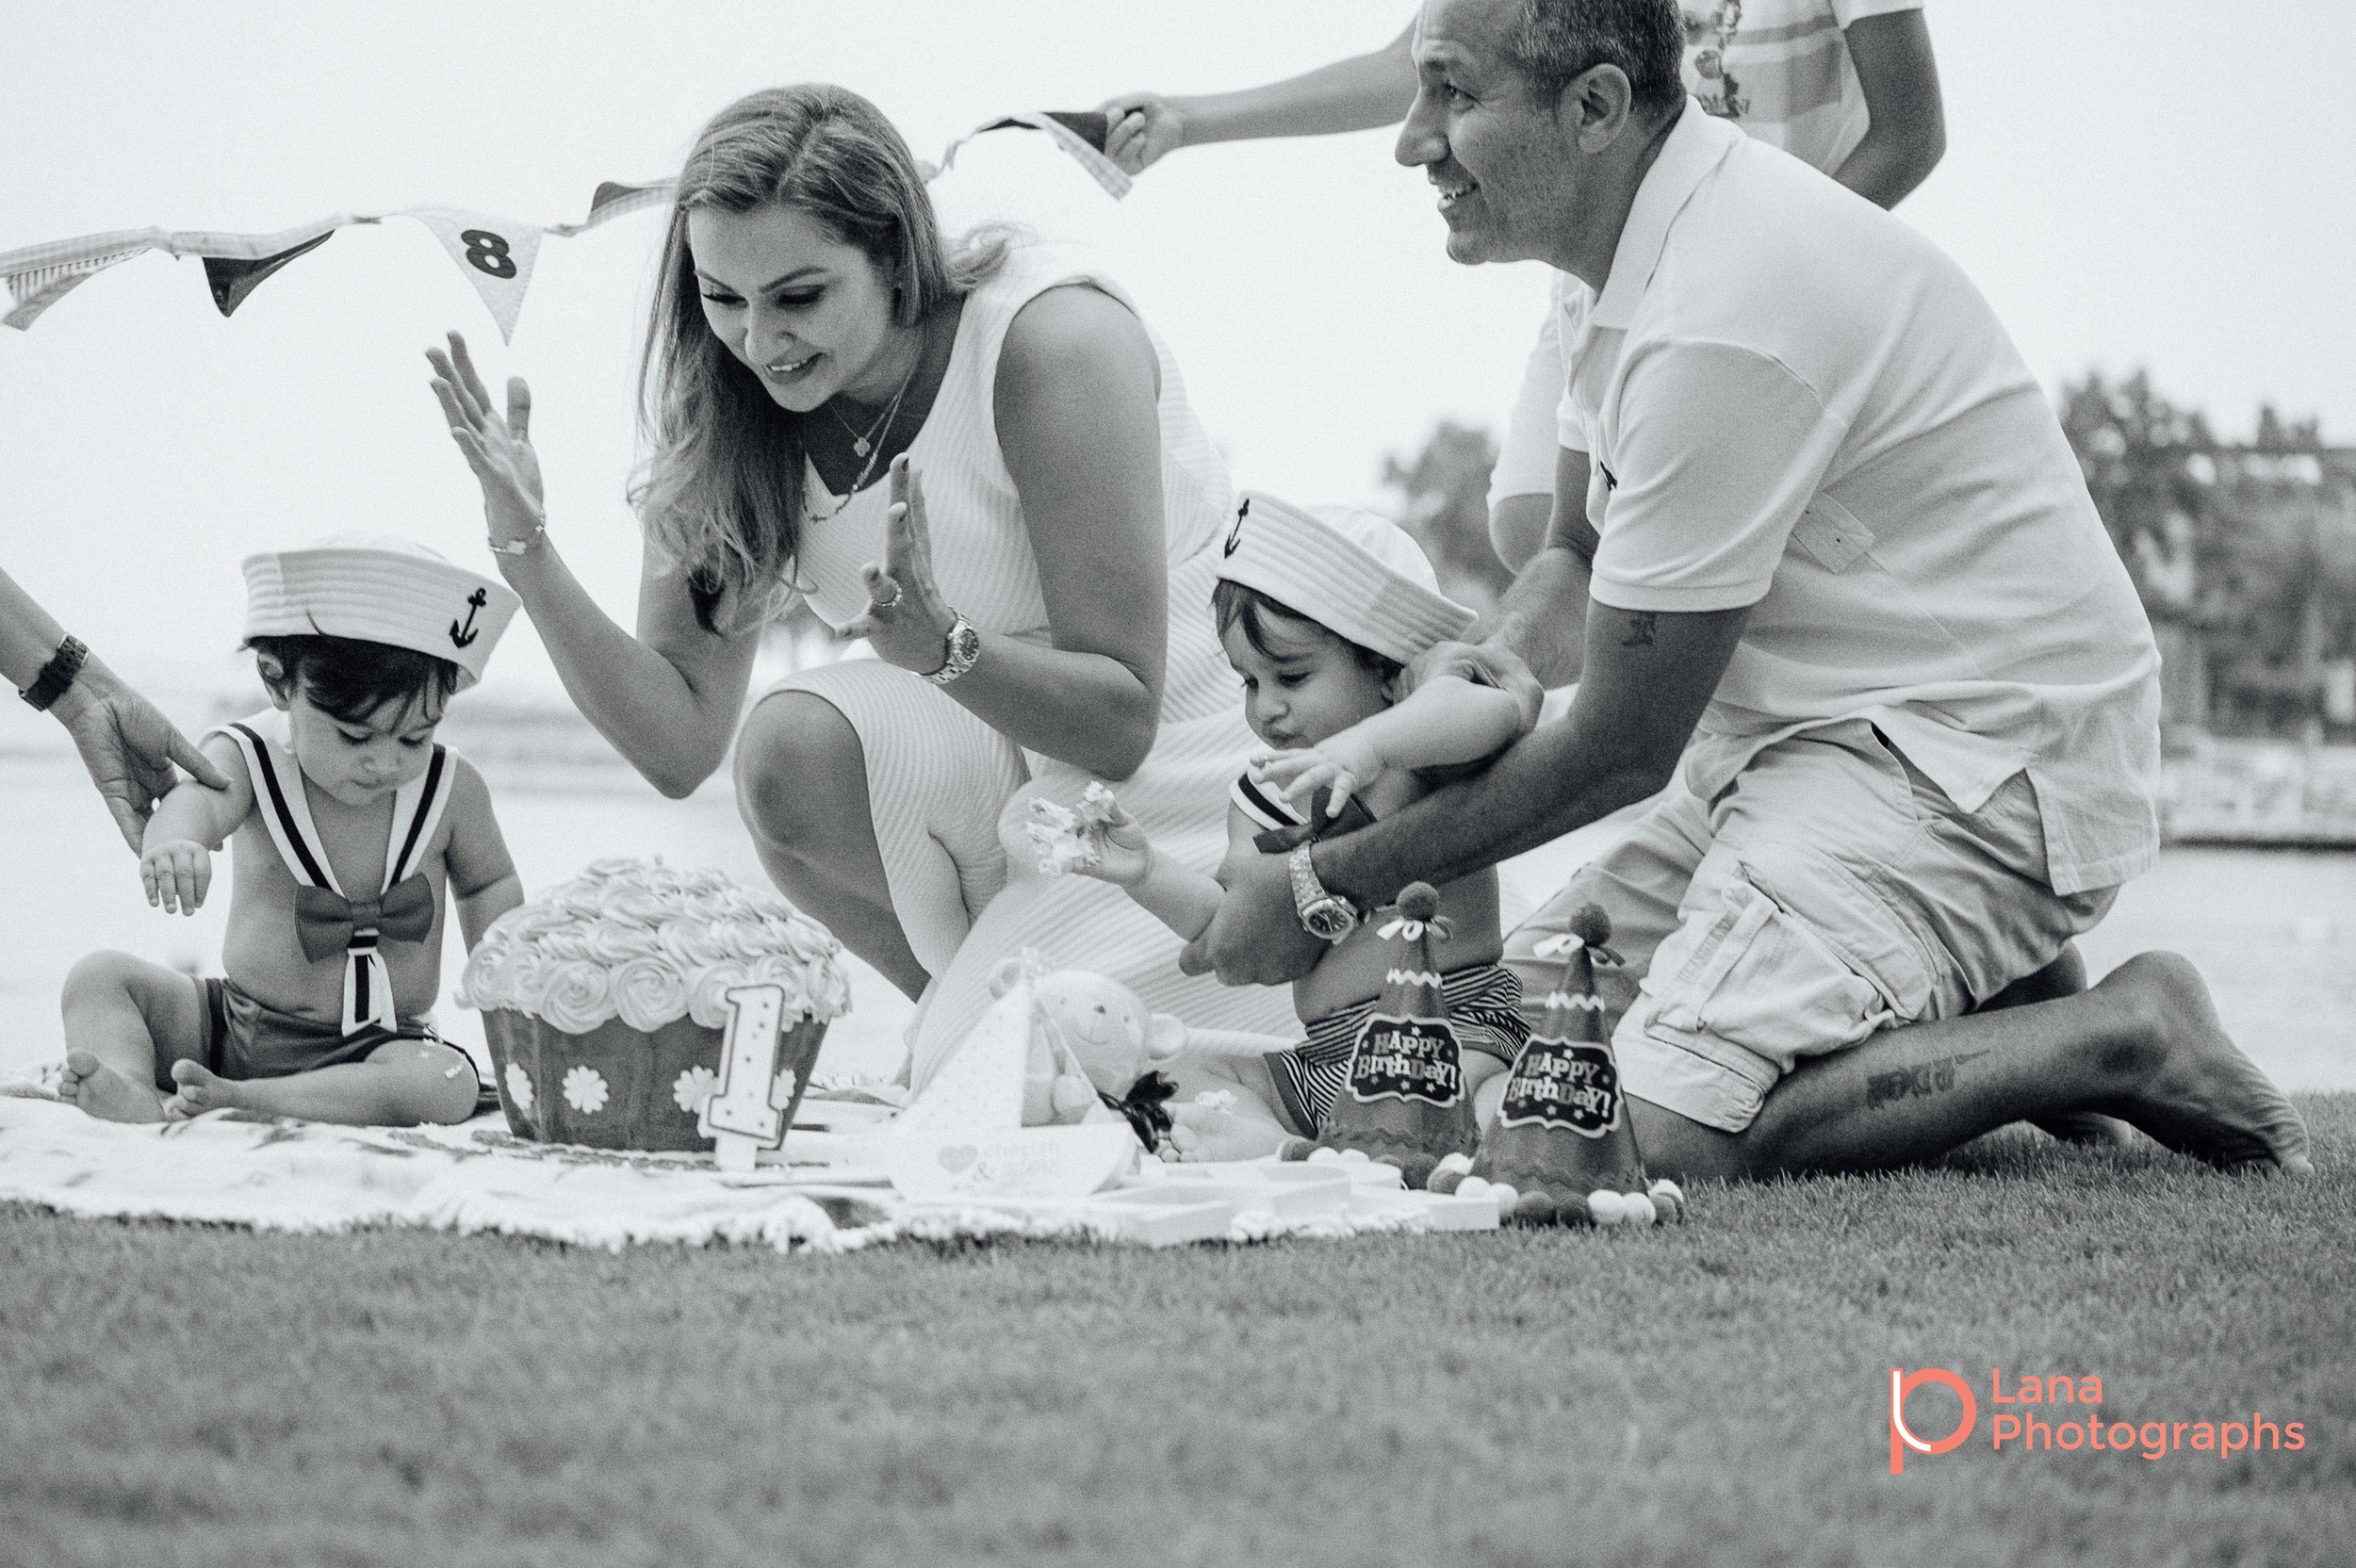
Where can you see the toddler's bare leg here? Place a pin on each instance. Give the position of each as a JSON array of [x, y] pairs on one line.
[[1253, 1126], [403, 1083], [123, 1015]]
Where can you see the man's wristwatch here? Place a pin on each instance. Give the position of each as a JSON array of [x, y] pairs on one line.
[[1323, 914], [964, 647]]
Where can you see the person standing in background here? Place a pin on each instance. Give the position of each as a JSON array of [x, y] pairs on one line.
[[126, 743], [1850, 87]]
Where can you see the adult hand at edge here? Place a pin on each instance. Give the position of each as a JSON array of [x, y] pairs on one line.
[[1483, 664], [130, 748], [1141, 129], [1256, 937]]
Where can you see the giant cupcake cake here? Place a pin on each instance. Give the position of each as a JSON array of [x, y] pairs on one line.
[[604, 1000]]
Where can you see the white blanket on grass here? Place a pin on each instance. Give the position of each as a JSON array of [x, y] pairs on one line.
[[309, 1176]]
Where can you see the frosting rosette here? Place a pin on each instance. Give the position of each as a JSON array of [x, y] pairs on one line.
[[649, 992], [649, 943], [617, 943], [708, 995], [580, 996], [691, 944]]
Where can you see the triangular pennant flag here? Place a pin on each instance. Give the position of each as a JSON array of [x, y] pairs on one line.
[[40, 275], [615, 198], [232, 279], [1080, 135], [495, 253]]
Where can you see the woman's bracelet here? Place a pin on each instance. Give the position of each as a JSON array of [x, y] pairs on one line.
[[57, 676], [517, 547]]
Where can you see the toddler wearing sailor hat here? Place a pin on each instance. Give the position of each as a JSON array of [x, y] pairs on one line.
[[351, 822], [1320, 609]]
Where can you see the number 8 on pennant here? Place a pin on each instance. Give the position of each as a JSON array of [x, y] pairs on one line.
[[496, 253], [741, 1117]]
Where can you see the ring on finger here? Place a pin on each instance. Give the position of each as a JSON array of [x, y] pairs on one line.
[[886, 604]]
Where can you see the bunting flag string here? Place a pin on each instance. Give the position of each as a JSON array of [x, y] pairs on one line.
[[496, 255]]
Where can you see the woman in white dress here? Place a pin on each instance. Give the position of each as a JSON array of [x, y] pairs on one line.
[[981, 459]]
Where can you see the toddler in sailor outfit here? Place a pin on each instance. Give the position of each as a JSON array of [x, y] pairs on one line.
[[1320, 609], [351, 822]]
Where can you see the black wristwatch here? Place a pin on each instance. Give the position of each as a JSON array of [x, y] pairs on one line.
[[57, 676]]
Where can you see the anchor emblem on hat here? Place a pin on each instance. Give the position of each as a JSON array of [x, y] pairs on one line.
[[461, 635]]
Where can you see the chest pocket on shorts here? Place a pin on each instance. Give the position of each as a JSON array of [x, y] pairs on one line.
[[1830, 532]]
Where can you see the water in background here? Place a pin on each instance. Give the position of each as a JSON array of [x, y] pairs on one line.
[[2274, 932]]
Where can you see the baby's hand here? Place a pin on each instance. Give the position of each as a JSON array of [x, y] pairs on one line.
[[1097, 837], [1344, 762], [177, 873]]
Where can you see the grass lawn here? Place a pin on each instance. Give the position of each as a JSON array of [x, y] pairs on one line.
[[1714, 1394]]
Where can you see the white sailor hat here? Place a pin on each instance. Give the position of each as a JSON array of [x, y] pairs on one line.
[[379, 590], [1359, 575]]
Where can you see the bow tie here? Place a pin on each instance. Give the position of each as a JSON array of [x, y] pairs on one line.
[[326, 921]]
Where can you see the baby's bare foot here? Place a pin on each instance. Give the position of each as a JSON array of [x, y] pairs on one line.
[[2206, 1099], [201, 1091], [106, 1094]]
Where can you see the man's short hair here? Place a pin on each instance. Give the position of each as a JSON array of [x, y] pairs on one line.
[[1554, 42]]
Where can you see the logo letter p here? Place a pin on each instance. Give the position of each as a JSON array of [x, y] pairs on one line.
[[1901, 1438]]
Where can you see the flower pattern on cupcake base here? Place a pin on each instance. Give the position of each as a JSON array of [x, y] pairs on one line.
[[584, 1090], [693, 1087], [519, 1086]]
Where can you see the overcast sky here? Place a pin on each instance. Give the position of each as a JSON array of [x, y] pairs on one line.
[[2163, 183]]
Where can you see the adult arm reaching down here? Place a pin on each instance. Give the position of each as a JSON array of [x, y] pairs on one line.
[[127, 745]]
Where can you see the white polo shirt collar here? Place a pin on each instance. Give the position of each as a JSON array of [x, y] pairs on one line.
[[1695, 146]]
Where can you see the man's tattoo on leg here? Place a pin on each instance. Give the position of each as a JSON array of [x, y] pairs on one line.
[[1881, 1089], [1640, 624]]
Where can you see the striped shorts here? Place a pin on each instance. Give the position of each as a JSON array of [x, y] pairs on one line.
[[1483, 1003]]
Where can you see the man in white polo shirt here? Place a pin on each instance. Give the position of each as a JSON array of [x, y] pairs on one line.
[[1834, 536]]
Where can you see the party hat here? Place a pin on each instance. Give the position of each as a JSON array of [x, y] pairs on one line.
[[1405, 1101], [1561, 1140]]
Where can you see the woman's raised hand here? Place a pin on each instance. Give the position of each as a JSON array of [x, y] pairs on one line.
[[906, 620], [499, 450]]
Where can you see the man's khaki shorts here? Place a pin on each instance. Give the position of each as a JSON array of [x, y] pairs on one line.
[[1831, 892]]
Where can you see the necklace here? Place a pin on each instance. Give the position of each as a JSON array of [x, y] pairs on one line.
[[863, 447], [859, 443]]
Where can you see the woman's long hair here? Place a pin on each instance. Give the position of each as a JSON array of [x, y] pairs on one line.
[[720, 494]]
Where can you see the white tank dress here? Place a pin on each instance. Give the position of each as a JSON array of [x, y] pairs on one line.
[[949, 795]]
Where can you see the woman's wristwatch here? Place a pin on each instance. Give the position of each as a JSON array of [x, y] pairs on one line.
[[54, 676], [1322, 913], [963, 647]]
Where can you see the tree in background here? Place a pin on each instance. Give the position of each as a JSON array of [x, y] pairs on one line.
[[2244, 555], [1444, 502]]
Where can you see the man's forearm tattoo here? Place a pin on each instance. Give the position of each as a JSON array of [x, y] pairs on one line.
[[1640, 624], [1881, 1089]]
